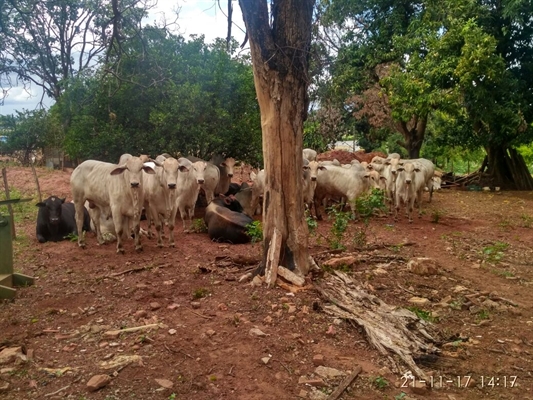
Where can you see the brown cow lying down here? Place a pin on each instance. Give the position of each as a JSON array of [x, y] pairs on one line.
[[225, 220]]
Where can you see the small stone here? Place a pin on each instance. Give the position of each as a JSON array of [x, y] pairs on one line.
[[165, 383], [267, 320], [210, 332], [292, 309], [4, 387], [173, 306], [98, 382], [257, 332], [328, 373], [195, 304], [10, 354], [419, 388], [318, 359], [331, 331], [265, 360], [423, 266], [140, 314], [155, 306], [172, 331], [305, 310], [459, 288], [222, 307], [303, 380], [257, 281], [302, 394], [421, 301]]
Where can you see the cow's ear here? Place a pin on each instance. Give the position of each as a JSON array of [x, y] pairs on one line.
[[400, 169], [417, 169], [63, 200], [183, 168], [383, 178], [40, 204], [148, 169], [118, 170], [322, 167]]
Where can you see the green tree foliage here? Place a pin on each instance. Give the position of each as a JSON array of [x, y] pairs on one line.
[[168, 95], [469, 61], [26, 133]]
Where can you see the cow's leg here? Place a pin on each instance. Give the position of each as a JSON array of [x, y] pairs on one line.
[[96, 214], [80, 208], [137, 233], [171, 224], [118, 221], [158, 222]]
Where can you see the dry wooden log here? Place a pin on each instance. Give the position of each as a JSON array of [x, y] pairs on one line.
[[388, 328], [345, 383]]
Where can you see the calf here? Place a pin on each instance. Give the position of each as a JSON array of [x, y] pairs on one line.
[[226, 222], [56, 219]]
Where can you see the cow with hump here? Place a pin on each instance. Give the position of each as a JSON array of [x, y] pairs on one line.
[[114, 189], [225, 221], [55, 220]]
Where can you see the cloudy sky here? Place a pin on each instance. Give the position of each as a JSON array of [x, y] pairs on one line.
[[195, 17]]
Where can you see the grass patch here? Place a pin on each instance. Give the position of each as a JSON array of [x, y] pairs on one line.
[[255, 231], [495, 252], [422, 314], [200, 293]]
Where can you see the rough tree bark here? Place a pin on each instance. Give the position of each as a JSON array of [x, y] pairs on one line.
[[505, 167], [413, 133], [279, 45]]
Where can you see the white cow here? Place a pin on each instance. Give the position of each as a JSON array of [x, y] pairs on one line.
[[211, 178], [160, 197], [225, 167], [191, 178], [334, 181], [114, 189], [410, 184], [309, 154]]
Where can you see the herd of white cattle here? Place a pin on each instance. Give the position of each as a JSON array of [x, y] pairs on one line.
[[116, 194]]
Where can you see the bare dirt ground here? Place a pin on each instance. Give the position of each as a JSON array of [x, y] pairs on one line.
[[202, 348]]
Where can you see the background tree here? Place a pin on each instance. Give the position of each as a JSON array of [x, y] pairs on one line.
[[280, 41], [46, 43], [26, 134], [191, 97]]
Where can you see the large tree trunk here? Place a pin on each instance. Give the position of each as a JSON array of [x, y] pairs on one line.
[[413, 133], [280, 53], [506, 168]]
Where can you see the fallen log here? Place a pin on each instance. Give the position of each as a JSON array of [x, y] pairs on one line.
[[388, 328]]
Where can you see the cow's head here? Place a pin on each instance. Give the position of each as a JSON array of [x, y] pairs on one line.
[[52, 207], [170, 170], [199, 168], [229, 164], [134, 166]]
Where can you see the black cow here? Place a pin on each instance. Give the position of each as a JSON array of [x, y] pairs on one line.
[[225, 221], [56, 219]]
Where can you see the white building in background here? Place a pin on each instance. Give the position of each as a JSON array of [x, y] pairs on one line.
[[349, 145]]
